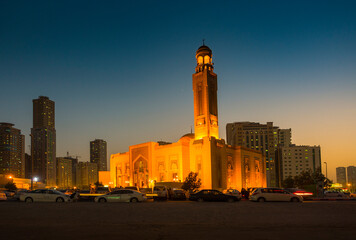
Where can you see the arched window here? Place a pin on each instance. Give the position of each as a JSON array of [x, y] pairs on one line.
[[200, 60], [206, 59]]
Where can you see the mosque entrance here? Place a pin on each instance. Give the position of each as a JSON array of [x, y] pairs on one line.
[[140, 178]]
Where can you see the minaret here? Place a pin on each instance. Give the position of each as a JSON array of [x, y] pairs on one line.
[[205, 89]]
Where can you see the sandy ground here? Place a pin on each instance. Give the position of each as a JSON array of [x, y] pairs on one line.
[[178, 220]]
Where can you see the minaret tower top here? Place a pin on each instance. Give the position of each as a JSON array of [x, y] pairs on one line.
[[204, 59], [205, 89]]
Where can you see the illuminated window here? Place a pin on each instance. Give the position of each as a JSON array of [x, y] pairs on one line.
[[206, 59], [200, 60]]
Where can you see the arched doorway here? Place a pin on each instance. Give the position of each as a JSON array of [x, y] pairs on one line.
[[140, 171]]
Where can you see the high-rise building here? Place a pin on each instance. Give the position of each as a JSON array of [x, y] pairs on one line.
[[43, 141], [284, 137], [351, 176], [98, 154], [64, 173], [341, 175], [12, 151], [87, 174], [261, 137], [296, 159]]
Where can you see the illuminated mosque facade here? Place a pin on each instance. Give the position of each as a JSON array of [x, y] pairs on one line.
[[219, 166]]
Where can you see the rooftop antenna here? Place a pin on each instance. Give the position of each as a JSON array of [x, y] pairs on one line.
[[191, 129], [203, 41]]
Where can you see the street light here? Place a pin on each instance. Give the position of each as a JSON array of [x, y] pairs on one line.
[[326, 169], [33, 179]]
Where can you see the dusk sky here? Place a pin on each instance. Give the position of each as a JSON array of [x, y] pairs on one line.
[[122, 70]]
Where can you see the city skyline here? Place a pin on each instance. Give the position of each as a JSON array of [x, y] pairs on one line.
[[296, 70]]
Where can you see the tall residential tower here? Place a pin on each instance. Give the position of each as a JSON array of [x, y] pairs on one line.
[[43, 141], [12, 151], [98, 154]]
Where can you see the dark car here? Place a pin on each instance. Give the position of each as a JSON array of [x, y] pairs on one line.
[[178, 194], [211, 195]]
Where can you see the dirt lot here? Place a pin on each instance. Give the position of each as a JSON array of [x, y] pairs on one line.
[[178, 220]]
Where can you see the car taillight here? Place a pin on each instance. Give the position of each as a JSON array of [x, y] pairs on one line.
[[299, 193]]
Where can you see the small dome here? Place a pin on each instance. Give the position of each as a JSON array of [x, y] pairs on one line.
[[187, 137], [203, 50]]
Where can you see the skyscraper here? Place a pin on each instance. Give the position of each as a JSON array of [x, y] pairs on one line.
[[262, 137], [12, 151], [43, 141], [351, 176], [341, 175], [98, 154]]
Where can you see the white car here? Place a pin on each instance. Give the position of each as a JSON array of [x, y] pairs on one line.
[[233, 192], [335, 195], [44, 195], [122, 195], [160, 193], [274, 195]]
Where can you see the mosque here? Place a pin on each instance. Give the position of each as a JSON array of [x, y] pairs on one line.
[[219, 166]]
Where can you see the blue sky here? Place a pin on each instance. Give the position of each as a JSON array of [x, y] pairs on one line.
[[121, 70]]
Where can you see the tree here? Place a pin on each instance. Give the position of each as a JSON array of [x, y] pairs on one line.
[[191, 182], [10, 186], [311, 178], [288, 182], [303, 179]]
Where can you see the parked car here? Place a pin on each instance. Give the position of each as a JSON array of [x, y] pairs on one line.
[[300, 192], [19, 193], [133, 188], [3, 196], [335, 195], [212, 195], [160, 193], [178, 194], [274, 195], [123, 195], [9, 194], [102, 190], [233, 192], [44, 195]]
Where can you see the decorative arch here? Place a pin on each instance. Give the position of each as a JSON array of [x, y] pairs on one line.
[[140, 171]]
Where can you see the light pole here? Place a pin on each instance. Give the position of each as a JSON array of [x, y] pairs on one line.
[[33, 179], [326, 169]]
